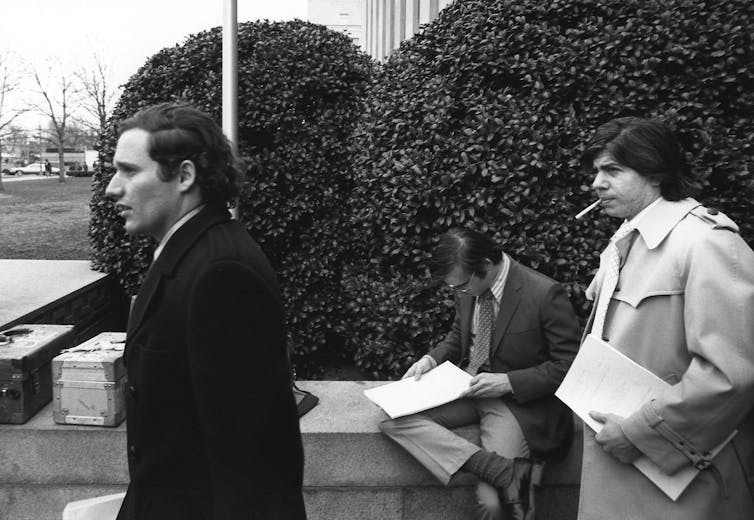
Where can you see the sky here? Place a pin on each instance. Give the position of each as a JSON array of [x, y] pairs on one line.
[[67, 33]]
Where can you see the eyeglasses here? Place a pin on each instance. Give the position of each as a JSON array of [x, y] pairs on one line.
[[462, 288]]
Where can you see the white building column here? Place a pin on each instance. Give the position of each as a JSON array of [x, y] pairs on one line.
[[400, 22], [367, 28], [388, 22], [389, 27], [375, 28], [433, 9], [412, 17]]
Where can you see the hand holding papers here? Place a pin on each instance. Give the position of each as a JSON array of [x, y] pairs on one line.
[[442, 385], [604, 380]]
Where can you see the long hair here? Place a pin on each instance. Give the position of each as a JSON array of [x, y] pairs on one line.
[[647, 146]]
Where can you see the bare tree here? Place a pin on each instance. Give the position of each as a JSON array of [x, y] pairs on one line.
[[8, 83], [57, 106], [98, 93]]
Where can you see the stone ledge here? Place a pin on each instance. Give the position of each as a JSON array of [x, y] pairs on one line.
[[350, 466], [372, 458], [32, 287], [60, 292]]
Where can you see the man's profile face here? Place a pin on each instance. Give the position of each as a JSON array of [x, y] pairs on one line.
[[149, 205], [623, 191]]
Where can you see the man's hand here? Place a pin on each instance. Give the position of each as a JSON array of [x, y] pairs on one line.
[[416, 370], [488, 385], [613, 440]]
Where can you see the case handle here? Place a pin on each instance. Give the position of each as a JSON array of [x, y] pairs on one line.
[[11, 393]]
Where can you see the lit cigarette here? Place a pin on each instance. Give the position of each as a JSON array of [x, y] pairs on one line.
[[589, 208]]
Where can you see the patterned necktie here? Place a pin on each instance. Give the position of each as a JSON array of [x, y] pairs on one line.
[[480, 352], [610, 263]]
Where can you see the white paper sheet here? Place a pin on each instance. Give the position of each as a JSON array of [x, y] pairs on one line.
[[604, 380], [97, 508], [441, 385]]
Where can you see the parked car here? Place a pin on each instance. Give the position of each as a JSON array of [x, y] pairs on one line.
[[35, 167]]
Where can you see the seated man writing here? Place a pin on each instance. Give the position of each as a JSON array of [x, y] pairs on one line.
[[515, 331]]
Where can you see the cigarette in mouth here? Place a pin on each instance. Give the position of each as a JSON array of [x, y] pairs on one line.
[[589, 208]]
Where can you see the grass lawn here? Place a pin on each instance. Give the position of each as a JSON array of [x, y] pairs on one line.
[[45, 220]]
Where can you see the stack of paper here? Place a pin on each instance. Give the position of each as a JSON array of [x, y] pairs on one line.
[[604, 380], [441, 385], [97, 508]]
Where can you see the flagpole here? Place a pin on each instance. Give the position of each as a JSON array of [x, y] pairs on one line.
[[230, 76]]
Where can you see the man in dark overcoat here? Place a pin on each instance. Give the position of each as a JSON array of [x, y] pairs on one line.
[[212, 424]]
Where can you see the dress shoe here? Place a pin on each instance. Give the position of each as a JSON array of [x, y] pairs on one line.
[[515, 496]]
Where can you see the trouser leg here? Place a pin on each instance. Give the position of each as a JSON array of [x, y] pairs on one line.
[[426, 436], [499, 433]]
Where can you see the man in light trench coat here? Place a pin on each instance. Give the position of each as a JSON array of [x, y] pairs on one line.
[[683, 308]]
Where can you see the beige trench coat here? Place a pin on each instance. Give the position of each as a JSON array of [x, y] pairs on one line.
[[684, 309]]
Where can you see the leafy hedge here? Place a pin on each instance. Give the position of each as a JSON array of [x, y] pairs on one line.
[[301, 88], [480, 120]]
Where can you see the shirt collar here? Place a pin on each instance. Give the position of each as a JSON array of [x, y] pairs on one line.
[[498, 286], [658, 219], [175, 227]]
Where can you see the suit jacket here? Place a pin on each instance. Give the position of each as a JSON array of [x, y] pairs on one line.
[[212, 425], [685, 311], [535, 339]]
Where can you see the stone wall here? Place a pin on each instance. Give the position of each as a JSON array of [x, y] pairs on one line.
[[352, 470]]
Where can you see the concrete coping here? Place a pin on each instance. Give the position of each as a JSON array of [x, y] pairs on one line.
[[342, 442], [32, 286]]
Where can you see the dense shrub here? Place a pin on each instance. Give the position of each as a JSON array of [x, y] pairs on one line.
[[481, 119], [300, 91]]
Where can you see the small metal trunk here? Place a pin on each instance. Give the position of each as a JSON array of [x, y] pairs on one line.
[[90, 382], [25, 376]]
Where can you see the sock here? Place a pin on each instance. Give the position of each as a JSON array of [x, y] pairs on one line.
[[490, 467]]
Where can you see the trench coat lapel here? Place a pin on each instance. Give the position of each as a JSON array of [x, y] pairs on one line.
[[176, 248], [508, 305]]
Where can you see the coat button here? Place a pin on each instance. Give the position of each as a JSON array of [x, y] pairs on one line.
[[712, 211]]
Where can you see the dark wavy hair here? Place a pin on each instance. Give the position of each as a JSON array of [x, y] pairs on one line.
[[180, 132], [648, 146], [466, 248]]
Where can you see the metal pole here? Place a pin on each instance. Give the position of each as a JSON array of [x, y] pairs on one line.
[[230, 76]]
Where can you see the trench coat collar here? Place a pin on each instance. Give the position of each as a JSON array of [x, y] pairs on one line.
[[175, 249], [660, 220]]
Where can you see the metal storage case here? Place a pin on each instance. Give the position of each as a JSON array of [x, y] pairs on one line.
[[25, 376], [90, 382]]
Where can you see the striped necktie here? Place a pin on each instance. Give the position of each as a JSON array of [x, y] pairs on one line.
[[480, 352], [610, 264]]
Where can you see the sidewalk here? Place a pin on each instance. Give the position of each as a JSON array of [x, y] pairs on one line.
[[17, 178]]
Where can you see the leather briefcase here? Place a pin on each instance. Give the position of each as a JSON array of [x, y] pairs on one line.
[[26, 352]]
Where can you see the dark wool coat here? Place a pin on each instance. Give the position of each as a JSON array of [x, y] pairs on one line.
[[212, 425]]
